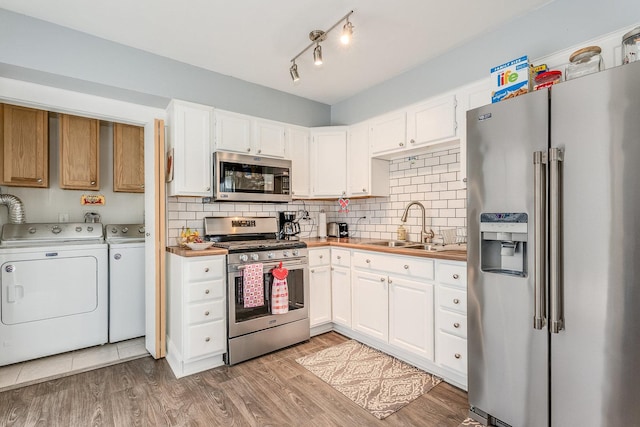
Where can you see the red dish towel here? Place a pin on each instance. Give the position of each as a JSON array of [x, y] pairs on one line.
[[279, 291], [253, 289]]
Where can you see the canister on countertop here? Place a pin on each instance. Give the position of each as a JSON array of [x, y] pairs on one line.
[[547, 79], [631, 46], [402, 233], [584, 61]]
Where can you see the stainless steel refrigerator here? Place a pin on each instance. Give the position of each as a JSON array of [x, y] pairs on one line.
[[554, 255]]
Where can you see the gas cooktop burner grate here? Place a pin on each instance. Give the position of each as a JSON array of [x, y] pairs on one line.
[[259, 245]]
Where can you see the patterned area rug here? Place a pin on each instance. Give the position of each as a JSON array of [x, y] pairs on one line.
[[471, 422], [377, 382]]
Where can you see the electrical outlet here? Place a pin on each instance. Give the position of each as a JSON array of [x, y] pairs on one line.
[[63, 217]]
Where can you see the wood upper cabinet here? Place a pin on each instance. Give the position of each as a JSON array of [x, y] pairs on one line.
[[79, 153], [128, 158], [24, 144]]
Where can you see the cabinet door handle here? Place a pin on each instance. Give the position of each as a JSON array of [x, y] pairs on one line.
[[338, 257], [368, 261], [456, 301], [206, 270], [382, 279], [207, 339], [390, 281], [406, 266], [206, 313], [208, 188], [364, 190], [457, 355], [413, 141], [40, 180], [401, 144], [259, 151], [320, 256], [93, 183], [206, 291], [456, 325], [312, 271], [456, 276], [249, 150]]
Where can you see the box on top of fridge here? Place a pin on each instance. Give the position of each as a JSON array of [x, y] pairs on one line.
[[511, 79]]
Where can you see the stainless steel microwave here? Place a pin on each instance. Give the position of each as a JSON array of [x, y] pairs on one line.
[[245, 178]]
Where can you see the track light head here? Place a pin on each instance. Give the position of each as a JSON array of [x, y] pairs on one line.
[[347, 32], [294, 72], [317, 55]]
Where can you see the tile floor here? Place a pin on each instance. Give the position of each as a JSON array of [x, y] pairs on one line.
[[73, 362]]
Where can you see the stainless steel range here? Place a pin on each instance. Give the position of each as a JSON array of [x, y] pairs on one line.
[[252, 289]]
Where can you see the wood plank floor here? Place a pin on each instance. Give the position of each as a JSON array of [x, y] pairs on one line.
[[272, 390]]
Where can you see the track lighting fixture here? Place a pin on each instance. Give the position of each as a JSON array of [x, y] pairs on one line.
[[294, 72], [317, 36]]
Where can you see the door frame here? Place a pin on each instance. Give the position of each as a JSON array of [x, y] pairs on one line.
[[65, 101]]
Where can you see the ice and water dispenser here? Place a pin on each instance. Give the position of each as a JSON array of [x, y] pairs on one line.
[[503, 247]]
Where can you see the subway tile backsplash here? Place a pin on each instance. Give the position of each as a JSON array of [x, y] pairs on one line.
[[431, 179]]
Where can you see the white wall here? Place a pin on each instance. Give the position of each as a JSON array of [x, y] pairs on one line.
[[44, 204]]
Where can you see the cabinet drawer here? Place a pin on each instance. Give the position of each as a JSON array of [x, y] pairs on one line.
[[452, 323], [453, 274], [452, 299], [206, 339], [205, 312], [452, 352], [213, 289], [419, 268], [205, 269], [340, 257], [319, 257]]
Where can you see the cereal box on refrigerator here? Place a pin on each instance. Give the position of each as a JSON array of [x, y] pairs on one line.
[[511, 79]]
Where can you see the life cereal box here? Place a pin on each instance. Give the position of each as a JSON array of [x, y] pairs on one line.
[[510, 79]]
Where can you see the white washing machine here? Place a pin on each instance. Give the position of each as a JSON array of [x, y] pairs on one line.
[[54, 289], [126, 281]]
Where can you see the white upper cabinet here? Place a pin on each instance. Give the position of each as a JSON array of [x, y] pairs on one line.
[[233, 132], [298, 152], [269, 138], [365, 176], [249, 135], [431, 121], [190, 141], [388, 133], [329, 161]]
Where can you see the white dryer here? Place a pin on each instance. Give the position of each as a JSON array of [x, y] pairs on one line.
[[54, 288], [126, 281]]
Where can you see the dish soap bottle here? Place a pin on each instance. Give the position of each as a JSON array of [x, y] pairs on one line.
[[402, 232]]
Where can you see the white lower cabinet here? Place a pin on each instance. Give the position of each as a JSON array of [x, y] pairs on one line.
[[319, 287], [341, 286], [411, 322], [451, 318], [370, 304], [196, 313]]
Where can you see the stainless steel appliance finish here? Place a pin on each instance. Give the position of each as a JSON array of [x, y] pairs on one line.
[[116, 233], [337, 229], [239, 177], [558, 345], [253, 331]]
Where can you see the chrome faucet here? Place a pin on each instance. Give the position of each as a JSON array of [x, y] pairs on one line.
[[425, 236]]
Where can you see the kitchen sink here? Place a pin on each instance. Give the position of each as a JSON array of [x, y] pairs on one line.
[[430, 247], [391, 243]]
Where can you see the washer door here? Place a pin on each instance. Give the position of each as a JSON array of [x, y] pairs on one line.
[[42, 289]]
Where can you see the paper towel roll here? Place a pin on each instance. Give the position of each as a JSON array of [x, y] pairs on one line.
[[322, 225]]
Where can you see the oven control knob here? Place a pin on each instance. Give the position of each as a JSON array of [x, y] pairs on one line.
[[296, 252], [89, 228], [56, 230], [125, 229], [255, 257], [32, 230], [244, 258], [78, 229], [271, 255], [285, 253]]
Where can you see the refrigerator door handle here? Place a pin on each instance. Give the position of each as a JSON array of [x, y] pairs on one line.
[[539, 271], [556, 324]]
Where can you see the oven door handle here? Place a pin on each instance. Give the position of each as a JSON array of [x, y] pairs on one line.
[[299, 263]]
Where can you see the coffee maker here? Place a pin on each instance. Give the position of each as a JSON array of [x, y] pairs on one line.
[[289, 227]]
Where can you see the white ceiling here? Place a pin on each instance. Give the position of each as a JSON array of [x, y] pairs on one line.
[[255, 40]]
